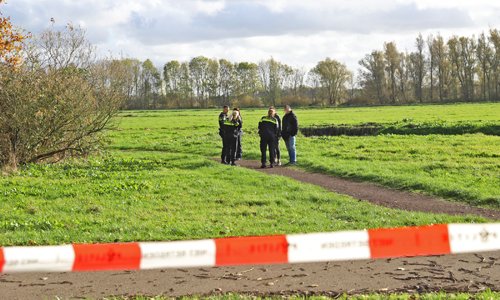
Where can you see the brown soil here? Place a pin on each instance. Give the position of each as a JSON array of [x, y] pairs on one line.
[[376, 194], [473, 272]]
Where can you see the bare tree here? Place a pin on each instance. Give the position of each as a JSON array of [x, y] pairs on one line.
[[227, 81], [272, 76], [333, 77], [432, 63], [484, 54], [297, 80], [494, 39], [419, 67], [198, 70], [314, 81], [212, 82], [392, 62], [463, 58], [372, 75], [403, 76], [58, 49], [247, 78], [443, 66]]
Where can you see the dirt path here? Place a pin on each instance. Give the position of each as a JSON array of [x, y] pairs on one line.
[[376, 194], [464, 272]]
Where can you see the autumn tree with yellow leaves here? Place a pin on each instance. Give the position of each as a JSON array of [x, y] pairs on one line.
[[11, 42]]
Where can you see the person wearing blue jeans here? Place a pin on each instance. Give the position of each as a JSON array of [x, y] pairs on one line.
[[290, 146], [289, 129]]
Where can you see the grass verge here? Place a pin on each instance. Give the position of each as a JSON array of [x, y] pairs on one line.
[[139, 196]]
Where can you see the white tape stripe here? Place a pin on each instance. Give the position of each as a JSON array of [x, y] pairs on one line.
[[333, 246], [177, 254], [344, 245], [38, 259], [474, 237]]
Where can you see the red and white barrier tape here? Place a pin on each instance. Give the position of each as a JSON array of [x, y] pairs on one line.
[[313, 247]]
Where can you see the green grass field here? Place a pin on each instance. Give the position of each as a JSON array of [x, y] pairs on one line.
[[457, 167], [486, 295], [159, 182]]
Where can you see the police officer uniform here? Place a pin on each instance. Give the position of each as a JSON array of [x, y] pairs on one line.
[[231, 132], [222, 119], [268, 131]]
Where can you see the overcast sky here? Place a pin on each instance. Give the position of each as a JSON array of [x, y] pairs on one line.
[[295, 32]]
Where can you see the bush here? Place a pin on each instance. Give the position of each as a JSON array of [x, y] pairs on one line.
[[247, 101], [296, 100], [48, 110]]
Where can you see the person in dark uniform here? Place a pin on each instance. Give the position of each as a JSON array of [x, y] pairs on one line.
[[232, 128], [288, 132], [268, 130], [222, 119], [277, 155], [239, 149]]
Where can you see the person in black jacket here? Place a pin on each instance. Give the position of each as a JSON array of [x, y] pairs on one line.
[[290, 127], [232, 128], [268, 130], [222, 119], [277, 154], [239, 149]]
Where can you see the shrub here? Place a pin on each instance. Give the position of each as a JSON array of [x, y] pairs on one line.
[[245, 100], [296, 100], [50, 110]]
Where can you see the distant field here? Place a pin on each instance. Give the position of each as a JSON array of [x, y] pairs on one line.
[[159, 182], [457, 167], [169, 119]]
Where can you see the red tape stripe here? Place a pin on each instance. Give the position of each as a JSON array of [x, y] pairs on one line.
[[97, 257], [2, 260], [409, 241], [251, 250]]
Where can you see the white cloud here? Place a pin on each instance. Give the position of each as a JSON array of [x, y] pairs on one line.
[[296, 32], [210, 8]]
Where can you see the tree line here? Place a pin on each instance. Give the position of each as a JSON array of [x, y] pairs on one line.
[[459, 69], [209, 82]]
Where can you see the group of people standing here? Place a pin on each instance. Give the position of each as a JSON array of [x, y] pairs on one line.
[[230, 131], [271, 130]]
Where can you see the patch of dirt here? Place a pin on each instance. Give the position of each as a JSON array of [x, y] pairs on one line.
[[473, 272], [376, 194]]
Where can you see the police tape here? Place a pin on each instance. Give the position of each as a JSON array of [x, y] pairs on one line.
[[296, 248]]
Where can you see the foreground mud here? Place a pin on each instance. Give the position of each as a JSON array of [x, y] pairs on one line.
[[451, 273]]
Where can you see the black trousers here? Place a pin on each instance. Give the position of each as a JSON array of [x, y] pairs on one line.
[[223, 155], [239, 151], [267, 143], [232, 145]]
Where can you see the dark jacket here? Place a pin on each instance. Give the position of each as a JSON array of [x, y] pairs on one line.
[[290, 125], [277, 117], [222, 118], [268, 127], [241, 121], [232, 128]]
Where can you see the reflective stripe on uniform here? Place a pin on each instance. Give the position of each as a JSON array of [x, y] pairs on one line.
[[231, 123], [268, 119]]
